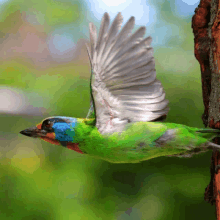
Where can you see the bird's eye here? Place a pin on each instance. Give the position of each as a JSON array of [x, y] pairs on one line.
[[47, 125]]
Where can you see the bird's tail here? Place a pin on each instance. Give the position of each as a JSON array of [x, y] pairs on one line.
[[213, 145], [208, 130], [211, 131]]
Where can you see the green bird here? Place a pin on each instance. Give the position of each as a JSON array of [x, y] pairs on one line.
[[128, 105]]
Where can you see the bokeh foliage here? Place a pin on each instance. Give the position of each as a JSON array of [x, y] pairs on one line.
[[43, 181], [47, 12]]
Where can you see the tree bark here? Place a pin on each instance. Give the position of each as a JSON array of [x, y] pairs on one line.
[[206, 29]]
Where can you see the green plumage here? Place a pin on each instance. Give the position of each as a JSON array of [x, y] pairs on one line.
[[140, 141]]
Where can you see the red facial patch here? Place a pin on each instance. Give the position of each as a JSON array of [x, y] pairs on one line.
[[50, 137], [39, 126], [74, 146]]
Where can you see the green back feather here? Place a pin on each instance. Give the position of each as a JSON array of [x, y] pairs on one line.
[[138, 142]]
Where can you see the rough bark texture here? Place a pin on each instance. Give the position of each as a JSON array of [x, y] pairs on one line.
[[206, 29]]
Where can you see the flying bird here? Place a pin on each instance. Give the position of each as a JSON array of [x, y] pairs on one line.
[[128, 105]]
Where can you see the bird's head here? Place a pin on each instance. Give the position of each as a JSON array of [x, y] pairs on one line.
[[55, 130]]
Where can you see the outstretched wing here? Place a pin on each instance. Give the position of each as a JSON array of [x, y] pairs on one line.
[[123, 81]]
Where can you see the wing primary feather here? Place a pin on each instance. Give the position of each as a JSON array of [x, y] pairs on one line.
[[121, 37], [130, 42], [110, 36], [93, 38], [132, 73], [89, 54], [134, 62], [136, 49], [115, 27], [102, 33]]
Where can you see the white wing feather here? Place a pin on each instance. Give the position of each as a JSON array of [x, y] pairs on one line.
[[124, 84]]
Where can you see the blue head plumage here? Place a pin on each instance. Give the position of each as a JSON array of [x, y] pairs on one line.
[[64, 128], [59, 128]]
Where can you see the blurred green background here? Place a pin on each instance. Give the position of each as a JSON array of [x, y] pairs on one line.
[[45, 71]]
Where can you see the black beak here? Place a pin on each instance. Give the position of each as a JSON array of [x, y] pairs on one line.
[[33, 132]]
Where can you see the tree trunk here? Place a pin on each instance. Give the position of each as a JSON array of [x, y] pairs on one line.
[[206, 29]]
